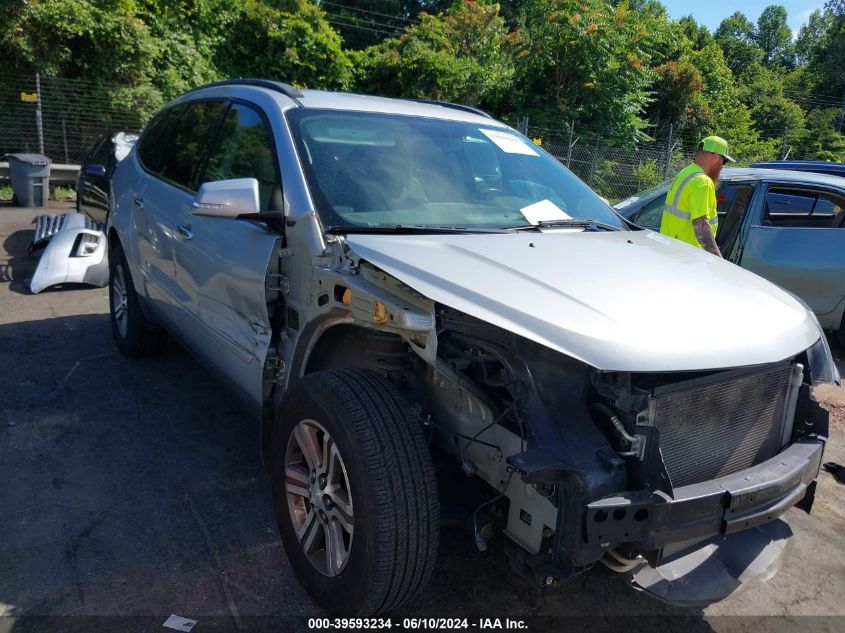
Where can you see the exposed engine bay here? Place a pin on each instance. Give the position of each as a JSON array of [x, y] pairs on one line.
[[646, 472]]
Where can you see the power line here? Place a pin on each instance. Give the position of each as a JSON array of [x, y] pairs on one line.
[[383, 15], [364, 28], [358, 21]]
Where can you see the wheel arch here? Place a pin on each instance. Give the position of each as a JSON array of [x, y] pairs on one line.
[[345, 345]]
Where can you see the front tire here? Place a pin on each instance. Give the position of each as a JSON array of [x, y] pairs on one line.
[[133, 334], [354, 492]]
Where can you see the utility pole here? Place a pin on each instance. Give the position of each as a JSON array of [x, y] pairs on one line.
[[38, 122], [64, 138], [570, 144], [783, 152], [595, 161], [667, 162]]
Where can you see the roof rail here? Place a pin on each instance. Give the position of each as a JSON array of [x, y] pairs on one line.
[[277, 86], [456, 106]]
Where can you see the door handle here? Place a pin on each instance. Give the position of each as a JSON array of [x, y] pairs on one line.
[[138, 203], [184, 232]]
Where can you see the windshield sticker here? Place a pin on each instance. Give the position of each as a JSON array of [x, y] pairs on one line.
[[509, 143], [544, 211]]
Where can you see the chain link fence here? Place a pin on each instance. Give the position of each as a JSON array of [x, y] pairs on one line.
[[615, 171], [73, 115]]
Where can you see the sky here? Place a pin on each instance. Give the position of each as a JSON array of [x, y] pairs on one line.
[[711, 13]]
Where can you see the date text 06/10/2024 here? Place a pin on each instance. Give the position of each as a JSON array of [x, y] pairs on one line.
[[416, 624]]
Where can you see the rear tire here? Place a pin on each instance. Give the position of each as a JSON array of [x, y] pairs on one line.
[[378, 505], [133, 334]]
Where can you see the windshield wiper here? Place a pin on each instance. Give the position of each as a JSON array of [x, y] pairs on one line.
[[410, 228], [588, 225]]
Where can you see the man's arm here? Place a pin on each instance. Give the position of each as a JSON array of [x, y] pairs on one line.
[[704, 235]]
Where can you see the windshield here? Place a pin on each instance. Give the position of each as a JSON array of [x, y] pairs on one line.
[[380, 171]]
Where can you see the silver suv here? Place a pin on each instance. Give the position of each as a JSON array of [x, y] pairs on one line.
[[384, 280]]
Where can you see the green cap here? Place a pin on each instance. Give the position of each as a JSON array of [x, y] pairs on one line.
[[717, 145]]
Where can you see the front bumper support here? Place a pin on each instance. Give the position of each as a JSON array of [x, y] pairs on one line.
[[720, 506]]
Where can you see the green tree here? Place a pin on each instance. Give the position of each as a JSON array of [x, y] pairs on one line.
[[462, 55], [720, 110], [820, 139], [290, 41], [587, 62], [188, 32], [698, 34], [774, 36], [827, 58], [675, 93], [776, 117], [76, 38], [811, 35], [109, 47], [364, 23], [736, 36]]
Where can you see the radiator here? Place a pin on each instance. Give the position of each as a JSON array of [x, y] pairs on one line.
[[710, 428]]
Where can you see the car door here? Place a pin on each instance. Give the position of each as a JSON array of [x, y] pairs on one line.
[[734, 200], [153, 202], [92, 168], [221, 264], [798, 242]]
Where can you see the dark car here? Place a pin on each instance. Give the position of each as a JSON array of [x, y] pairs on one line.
[[817, 166], [786, 226], [93, 185]]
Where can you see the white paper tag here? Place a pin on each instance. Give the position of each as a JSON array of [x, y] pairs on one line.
[[178, 623], [544, 211], [509, 143]]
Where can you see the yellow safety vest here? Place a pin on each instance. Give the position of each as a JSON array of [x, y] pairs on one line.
[[691, 196]]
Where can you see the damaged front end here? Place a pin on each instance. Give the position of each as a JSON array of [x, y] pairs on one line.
[[680, 477]]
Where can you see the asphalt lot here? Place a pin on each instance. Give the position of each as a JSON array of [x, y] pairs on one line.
[[134, 488]]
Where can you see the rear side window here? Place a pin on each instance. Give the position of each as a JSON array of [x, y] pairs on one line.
[[155, 142], [244, 149], [191, 139], [804, 208]]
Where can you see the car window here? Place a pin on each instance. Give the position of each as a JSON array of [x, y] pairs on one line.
[[732, 202], [652, 213], [244, 149], [154, 144], [802, 207], [191, 138], [828, 205], [104, 154], [381, 170]]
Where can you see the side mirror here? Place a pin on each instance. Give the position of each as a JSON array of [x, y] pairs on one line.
[[227, 198], [95, 170]]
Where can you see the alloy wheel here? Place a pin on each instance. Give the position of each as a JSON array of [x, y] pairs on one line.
[[119, 301], [319, 498]]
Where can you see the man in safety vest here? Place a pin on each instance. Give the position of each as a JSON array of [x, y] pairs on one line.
[[690, 210]]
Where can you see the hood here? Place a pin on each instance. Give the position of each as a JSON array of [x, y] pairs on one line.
[[619, 301]]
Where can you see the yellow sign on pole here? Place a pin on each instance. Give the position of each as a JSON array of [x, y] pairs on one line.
[[538, 141], [29, 97]]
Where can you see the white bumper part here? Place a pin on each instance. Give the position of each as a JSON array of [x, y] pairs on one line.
[[75, 254]]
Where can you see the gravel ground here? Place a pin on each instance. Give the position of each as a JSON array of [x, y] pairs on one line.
[[134, 488]]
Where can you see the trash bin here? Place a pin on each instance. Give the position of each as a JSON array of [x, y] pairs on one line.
[[30, 176]]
